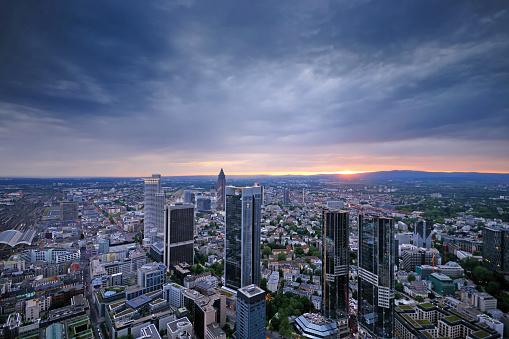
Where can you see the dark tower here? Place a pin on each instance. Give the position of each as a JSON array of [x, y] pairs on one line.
[[335, 230], [178, 235], [376, 275], [242, 237], [221, 184]]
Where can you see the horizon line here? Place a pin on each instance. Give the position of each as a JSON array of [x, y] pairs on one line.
[[345, 173]]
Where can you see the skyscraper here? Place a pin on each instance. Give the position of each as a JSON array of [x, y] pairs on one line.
[[221, 184], [376, 275], [242, 238], [335, 228], [495, 252], [251, 312], [153, 209], [286, 197], [422, 233], [178, 235]]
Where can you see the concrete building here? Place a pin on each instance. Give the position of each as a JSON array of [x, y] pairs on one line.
[[442, 283], [174, 294], [423, 230], [250, 313], [151, 276], [310, 325]]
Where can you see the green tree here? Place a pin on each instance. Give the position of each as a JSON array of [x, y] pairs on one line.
[[431, 295], [281, 256], [263, 284], [266, 251], [399, 286], [411, 277], [493, 288], [285, 329], [419, 299], [299, 251], [482, 275]]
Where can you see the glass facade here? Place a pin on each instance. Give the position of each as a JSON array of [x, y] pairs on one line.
[[376, 275], [221, 197], [496, 255], [178, 234], [242, 240], [335, 230]]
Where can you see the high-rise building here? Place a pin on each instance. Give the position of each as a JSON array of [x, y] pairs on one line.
[[221, 197], [178, 235], [286, 197], [251, 312], [151, 276], [189, 197], [422, 233], [242, 238], [376, 276], [153, 209], [203, 204], [335, 230], [420, 256], [495, 252]]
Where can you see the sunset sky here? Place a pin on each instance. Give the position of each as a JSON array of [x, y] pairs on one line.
[[130, 88]]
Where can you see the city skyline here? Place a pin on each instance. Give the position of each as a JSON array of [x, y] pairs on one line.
[[109, 89]]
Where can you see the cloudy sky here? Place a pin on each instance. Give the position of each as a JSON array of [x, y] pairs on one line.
[[130, 88]]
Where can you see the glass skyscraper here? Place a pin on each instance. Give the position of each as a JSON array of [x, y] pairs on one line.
[[178, 234], [221, 184], [376, 276], [251, 306], [153, 209], [242, 238], [422, 233], [335, 230]]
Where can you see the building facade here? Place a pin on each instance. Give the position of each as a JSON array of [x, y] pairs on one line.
[[335, 228], [495, 257], [422, 233], [221, 196], [178, 235], [251, 313], [242, 238], [153, 209], [376, 275]]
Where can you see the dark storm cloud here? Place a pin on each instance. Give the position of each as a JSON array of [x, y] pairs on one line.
[[96, 80]]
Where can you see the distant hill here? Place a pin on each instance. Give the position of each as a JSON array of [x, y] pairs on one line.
[[432, 176]]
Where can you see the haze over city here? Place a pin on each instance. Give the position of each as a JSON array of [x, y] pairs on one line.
[[182, 88]]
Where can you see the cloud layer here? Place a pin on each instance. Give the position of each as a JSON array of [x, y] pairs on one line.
[[185, 87]]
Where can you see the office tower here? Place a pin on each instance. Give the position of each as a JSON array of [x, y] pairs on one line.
[[153, 209], [68, 210], [418, 257], [286, 197], [189, 197], [151, 276], [422, 233], [376, 275], [203, 204], [495, 252], [242, 238], [178, 235], [221, 197], [336, 254], [251, 312]]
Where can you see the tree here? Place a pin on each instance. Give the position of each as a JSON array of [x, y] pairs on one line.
[[281, 256], [354, 294], [299, 251], [399, 286], [419, 299], [493, 288], [411, 277], [285, 329], [263, 284], [266, 252], [431, 295], [482, 275]]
